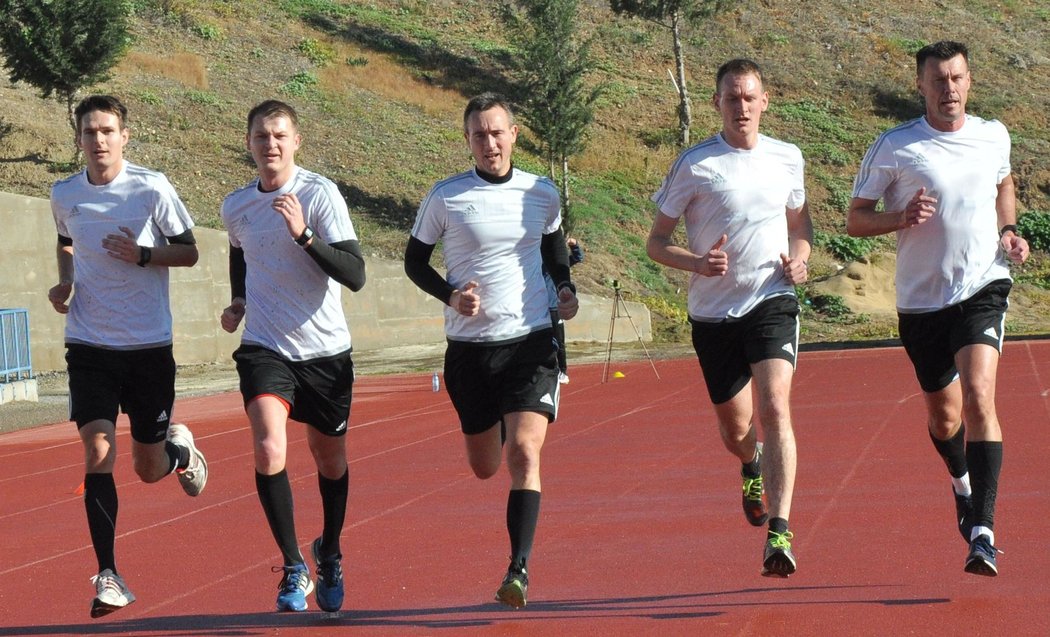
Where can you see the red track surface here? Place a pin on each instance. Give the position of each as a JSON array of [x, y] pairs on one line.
[[640, 532]]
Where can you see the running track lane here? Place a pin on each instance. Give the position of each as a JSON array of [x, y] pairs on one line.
[[640, 533]]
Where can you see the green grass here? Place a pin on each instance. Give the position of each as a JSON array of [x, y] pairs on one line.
[[303, 85], [316, 51]]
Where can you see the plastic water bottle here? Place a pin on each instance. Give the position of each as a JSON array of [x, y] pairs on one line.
[[435, 384]]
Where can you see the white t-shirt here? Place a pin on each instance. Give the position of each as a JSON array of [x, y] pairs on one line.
[[292, 306], [744, 194], [955, 253], [118, 305], [491, 234]]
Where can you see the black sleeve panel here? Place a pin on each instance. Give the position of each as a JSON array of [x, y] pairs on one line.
[[341, 260], [556, 257], [238, 272], [186, 239], [420, 272]]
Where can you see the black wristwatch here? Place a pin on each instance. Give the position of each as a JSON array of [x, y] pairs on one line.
[[567, 284], [1007, 228], [305, 237], [145, 254]]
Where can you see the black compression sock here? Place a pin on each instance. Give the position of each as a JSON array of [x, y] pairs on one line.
[[178, 457], [986, 460], [523, 512], [777, 525], [275, 494], [334, 495], [953, 452], [100, 502]]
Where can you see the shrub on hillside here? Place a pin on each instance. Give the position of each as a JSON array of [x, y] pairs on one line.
[[843, 246], [1035, 227]]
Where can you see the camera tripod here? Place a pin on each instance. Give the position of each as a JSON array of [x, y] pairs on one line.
[[620, 305]]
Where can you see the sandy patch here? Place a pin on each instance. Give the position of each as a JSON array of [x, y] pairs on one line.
[[866, 286]]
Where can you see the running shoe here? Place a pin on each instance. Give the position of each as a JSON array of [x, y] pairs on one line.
[[964, 514], [195, 476], [294, 587], [754, 507], [981, 559], [778, 560], [111, 593], [329, 579], [514, 588]]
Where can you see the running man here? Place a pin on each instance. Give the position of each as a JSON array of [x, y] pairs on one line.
[[499, 227], [948, 194], [291, 246], [120, 227], [749, 234], [575, 257]]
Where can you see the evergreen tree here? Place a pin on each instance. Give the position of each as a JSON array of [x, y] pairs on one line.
[[669, 14], [62, 46], [555, 100]]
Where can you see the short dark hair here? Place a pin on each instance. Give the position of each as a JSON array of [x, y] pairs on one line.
[[484, 102], [943, 50], [273, 108], [103, 103], [738, 66]]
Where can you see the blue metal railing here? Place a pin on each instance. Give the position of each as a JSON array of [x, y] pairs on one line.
[[15, 360]]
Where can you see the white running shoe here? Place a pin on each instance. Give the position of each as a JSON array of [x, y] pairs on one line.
[[563, 378], [112, 593], [194, 477]]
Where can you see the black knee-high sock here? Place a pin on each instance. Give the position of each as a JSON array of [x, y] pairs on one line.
[[985, 459], [334, 494], [100, 502], [178, 457], [275, 493], [953, 452], [523, 511]]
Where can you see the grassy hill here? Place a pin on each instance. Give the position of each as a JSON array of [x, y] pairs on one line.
[[380, 86]]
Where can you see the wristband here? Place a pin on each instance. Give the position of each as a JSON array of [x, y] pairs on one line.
[[145, 254], [1007, 228], [305, 237]]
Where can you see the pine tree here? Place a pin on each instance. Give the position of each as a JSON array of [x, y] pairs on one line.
[[557, 104], [62, 46]]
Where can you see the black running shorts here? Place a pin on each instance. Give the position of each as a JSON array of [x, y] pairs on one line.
[[932, 339], [728, 348], [485, 382], [139, 382], [318, 391]]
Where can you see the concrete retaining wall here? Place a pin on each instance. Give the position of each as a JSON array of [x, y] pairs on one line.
[[390, 310]]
